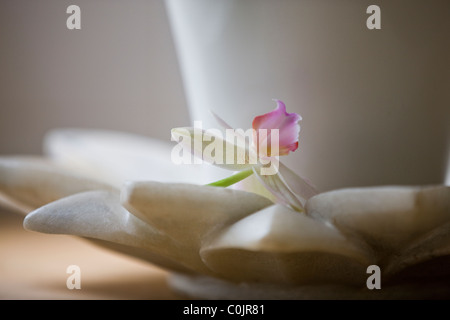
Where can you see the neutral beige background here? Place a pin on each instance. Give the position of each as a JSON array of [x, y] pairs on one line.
[[118, 72]]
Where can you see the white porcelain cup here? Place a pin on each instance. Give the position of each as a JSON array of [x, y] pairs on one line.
[[375, 103]]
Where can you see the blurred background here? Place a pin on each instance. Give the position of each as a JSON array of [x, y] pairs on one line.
[[118, 72]]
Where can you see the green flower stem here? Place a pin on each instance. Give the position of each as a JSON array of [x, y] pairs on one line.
[[232, 179]]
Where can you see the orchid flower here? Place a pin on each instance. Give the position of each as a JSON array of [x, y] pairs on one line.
[[274, 134]]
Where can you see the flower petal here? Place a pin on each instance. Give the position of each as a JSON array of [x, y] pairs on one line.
[[162, 260], [220, 121], [32, 182], [252, 184], [288, 188], [186, 212], [203, 287], [280, 190], [286, 123], [99, 215], [301, 187], [114, 157], [428, 255], [278, 245], [239, 135], [210, 146], [389, 218]]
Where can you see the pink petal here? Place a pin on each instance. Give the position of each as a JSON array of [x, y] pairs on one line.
[[286, 123]]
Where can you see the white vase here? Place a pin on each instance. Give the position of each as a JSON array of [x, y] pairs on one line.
[[375, 103]]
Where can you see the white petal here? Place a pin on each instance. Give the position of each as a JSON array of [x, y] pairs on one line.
[[196, 141], [280, 190], [238, 135], [301, 187], [288, 188], [188, 213], [30, 183], [161, 260], [220, 121], [427, 256], [280, 245], [429, 253], [99, 215], [115, 157], [388, 218], [253, 184]]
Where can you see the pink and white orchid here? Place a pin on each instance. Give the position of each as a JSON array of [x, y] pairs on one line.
[[285, 123], [274, 134]]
